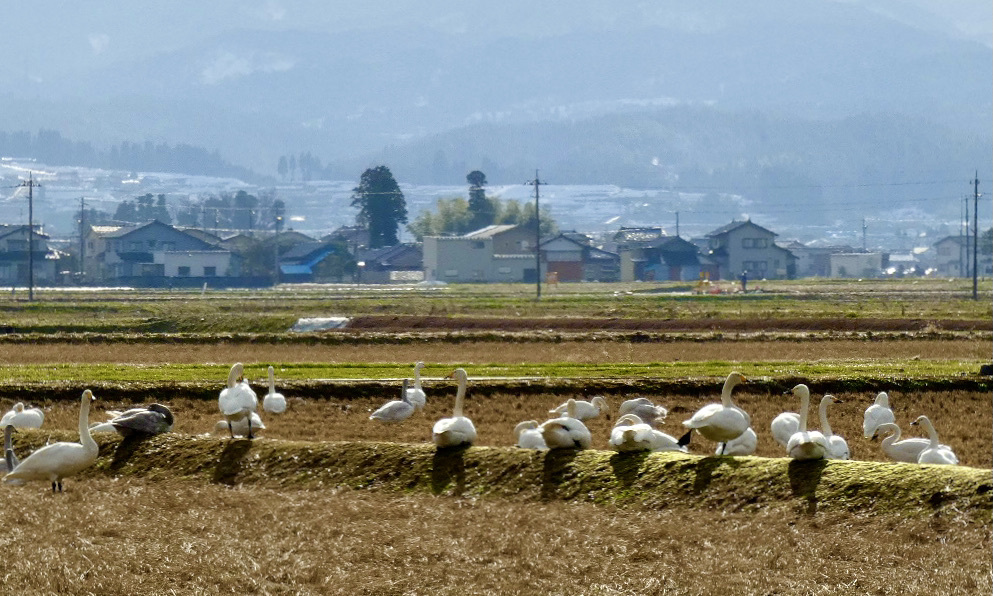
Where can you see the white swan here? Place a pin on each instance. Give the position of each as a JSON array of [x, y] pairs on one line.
[[528, 436], [9, 459], [416, 394], [935, 453], [22, 417], [724, 421], [632, 434], [273, 402], [237, 401], [743, 444], [566, 431], [643, 408], [239, 428], [837, 445], [151, 420], [585, 410], [59, 460], [878, 413], [783, 426], [397, 410], [806, 444], [457, 430]]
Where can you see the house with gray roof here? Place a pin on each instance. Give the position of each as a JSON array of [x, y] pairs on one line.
[[746, 247]]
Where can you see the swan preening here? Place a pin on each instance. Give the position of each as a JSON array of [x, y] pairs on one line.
[[804, 444], [60, 460], [415, 394], [9, 459], [585, 410], [273, 402], [151, 420], [237, 401], [528, 435], [397, 410], [643, 408], [457, 430], [837, 446], [877, 413], [631, 433], [22, 417], [566, 431], [724, 421], [934, 453]]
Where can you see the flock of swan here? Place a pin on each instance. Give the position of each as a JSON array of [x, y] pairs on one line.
[[635, 430]]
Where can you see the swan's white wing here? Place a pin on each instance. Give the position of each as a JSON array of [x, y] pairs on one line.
[[531, 439], [702, 416], [52, 462], [873, 417], [451, 432], [417, 397], [393, 411], [274, 403], [838, 448], [807, 445]]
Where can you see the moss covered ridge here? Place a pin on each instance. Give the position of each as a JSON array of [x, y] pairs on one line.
[[657, 480]]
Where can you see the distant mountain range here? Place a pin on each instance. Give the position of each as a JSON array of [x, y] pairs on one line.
[[707, 94]]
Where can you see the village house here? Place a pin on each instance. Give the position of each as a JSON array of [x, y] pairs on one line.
[[497, 253], [15, 258], [571, 257], [743, 247]]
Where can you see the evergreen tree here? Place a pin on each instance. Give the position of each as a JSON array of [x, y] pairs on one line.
[[482, 211], [382, 207]]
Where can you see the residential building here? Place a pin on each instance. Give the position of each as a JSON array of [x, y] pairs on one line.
[[154, 254], [857, 264], [665, 258], [15, 257], [745, 247], [952, 256], [572, 257], [498, 253], [316, 262], [403, 263]]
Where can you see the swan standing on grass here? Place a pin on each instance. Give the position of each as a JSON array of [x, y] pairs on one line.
[[397, 410], [22, 417], [744, 444], [643, 408], [806, 444], [240, 427], [935, 453], [585, 410], [59, 460], [837, 445], [273, 402], [152, 420], [878, 413], [237, 401], [9, 459], [457, 430], [724, 421], [566, 431], [416, 394], [528, 435]]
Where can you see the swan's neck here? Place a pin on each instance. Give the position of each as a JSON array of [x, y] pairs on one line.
[[931, 433], [7, 438], [417, 377], [804, 406], [822, 412], [84, 425], [570, 408], [232, 379], [726, 392], [272, 382], [893, 437], [460, 397]]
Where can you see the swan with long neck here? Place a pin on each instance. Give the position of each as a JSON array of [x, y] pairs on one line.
[[416, 394], [804, 444], [724, 421], [22, 417], [273, 401], [397, 410], [9, 459], [879, 412], [60, 460], [584, 410], [528, 435], [934, 453], [238, 401], [566, 431], [906, 450], [457, 430], [837, 445]]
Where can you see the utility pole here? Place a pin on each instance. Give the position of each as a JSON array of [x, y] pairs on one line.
[[975, 237], [863, 235], [82, 236], [31, 184], [278, 224], [677, 224], [537, 233]]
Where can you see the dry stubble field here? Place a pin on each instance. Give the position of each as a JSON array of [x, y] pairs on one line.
[[129, 536]]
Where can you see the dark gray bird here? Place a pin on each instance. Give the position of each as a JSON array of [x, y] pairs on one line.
[[9, 459], [150, 420]]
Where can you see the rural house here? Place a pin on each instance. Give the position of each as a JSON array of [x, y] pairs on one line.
[[662, 258], [745, 247], [403, 263], [571, 256], [497, 253], [14, 258]]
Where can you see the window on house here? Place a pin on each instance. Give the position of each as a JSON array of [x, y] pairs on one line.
[[17, 245], [151, 243], [133, 245], [183, 272], [209, 271], [167, 246], [478, 244], [754, 242]]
